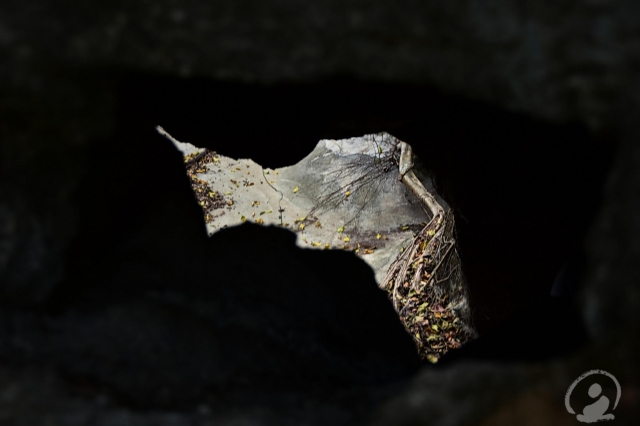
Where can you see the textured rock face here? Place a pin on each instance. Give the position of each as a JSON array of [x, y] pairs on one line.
[[166, 319], [612, 293], [157, 316], [572, 60], [340, 196], [561, 61], [535, 393], [60, 64]]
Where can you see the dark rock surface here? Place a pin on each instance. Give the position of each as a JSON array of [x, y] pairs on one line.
[[533, 394], [100, 267], [562, 61], [154, 315]]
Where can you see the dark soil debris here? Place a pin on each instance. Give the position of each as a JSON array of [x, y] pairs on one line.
[[207, 198], [426, 301]]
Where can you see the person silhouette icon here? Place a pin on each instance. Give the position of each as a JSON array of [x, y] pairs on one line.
[[595, 412]]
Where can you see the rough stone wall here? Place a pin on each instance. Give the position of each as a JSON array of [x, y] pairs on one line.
[[559, 61], [562, 60], [612, 292], [570, 60]]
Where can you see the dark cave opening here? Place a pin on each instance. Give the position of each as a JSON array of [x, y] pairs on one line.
[[524, 191]]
